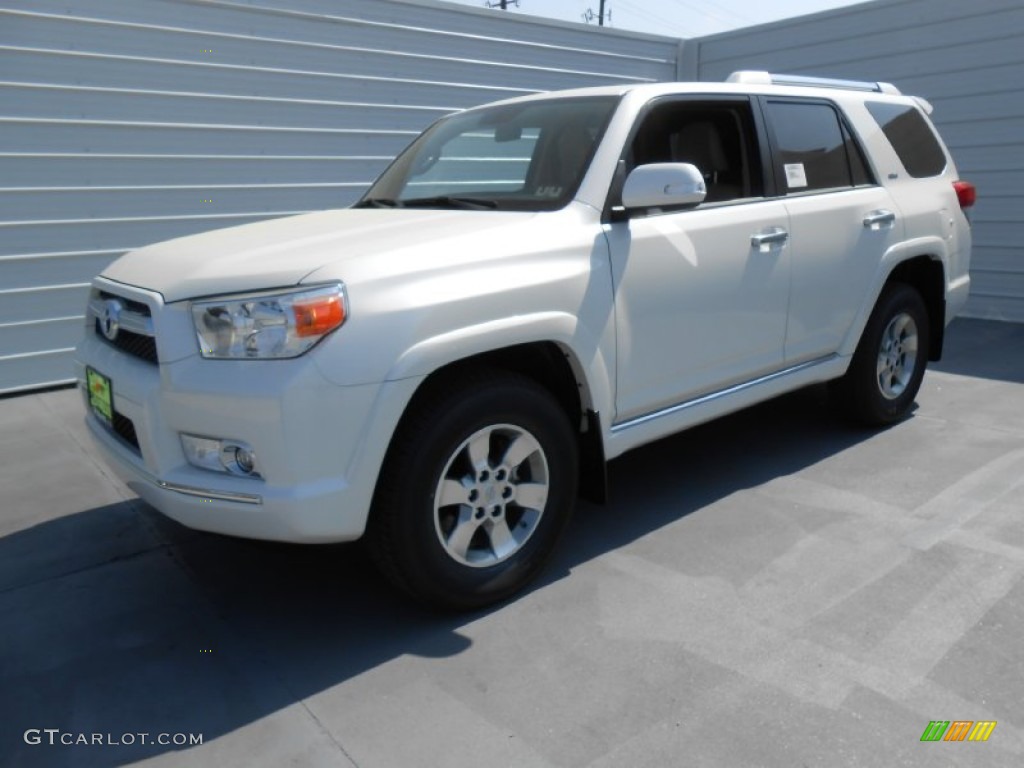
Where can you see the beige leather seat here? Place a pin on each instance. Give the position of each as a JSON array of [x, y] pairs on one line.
[[699, 143]]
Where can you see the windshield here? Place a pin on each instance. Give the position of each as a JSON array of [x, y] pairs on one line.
[[528, 156]]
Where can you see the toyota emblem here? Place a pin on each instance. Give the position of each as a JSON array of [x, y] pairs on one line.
[[110, 320]]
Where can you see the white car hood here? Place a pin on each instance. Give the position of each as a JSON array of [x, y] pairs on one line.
[[280, 252]]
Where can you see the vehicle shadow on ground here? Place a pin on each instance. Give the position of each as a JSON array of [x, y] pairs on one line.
[[657, 484], [984, 349], [117, 620]]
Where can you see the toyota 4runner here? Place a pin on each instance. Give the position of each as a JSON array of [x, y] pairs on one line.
[[532, 288]]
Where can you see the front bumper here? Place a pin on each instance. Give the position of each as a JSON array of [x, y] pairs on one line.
[[206, 503], [319, 445]]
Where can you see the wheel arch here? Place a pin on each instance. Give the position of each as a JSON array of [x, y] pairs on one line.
[[555, 367], [920, 264], [927, 275]]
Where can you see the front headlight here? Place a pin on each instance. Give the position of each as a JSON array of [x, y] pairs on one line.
[[268, 326]]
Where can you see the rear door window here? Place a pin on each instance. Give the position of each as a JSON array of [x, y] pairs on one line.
[[814, 150]]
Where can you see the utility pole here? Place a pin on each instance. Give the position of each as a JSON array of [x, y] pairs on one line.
[[589, 15]]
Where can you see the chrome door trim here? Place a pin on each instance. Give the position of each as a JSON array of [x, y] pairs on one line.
[[712, 396]]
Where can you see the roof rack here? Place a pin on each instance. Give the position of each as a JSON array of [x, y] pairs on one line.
[[758, 77]]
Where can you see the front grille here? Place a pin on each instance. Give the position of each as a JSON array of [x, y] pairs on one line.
[[124, 429], [130, 304], [135, 335], [134, 344]]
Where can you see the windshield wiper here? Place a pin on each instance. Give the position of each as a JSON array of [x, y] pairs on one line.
[[377, 202], [449, 201]]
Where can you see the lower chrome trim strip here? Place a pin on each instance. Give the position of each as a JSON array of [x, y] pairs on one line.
[[188, 490], [687, 404]]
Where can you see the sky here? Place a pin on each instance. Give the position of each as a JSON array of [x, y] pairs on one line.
[[675, 18]]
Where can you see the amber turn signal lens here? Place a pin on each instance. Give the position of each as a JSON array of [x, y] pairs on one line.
[[315, 318]]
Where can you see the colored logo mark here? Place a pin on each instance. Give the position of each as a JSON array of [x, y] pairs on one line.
[[958, 730]]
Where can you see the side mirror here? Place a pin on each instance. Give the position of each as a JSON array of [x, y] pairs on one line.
[[663, 185]]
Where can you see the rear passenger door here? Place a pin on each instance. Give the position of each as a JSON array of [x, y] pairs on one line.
[[841, 222]]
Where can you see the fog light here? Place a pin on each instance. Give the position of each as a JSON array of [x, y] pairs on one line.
[[245, 459], [220, 455], [238, 458]]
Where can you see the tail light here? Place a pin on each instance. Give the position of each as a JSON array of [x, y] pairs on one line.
[[966, 194]]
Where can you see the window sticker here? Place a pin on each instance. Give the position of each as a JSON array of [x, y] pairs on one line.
[[795, 175]]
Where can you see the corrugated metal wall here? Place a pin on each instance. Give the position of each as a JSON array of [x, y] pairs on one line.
[[967, 58], [126, 122]]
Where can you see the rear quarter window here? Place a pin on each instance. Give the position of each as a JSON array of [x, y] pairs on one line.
[[908, 132]]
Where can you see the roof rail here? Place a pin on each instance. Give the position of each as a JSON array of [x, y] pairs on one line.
[[758, 77]]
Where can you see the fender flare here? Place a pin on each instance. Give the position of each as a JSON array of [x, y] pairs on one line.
[[934, 248]]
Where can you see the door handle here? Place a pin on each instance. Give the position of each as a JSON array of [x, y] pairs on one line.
[[878, 219], [762, 240]]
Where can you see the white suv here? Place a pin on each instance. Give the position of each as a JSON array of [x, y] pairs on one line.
[[531, 288]]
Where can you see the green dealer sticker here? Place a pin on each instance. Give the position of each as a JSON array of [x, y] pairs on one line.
[[101, 397]]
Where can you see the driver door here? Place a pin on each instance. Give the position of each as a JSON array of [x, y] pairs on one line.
[[701, 294]]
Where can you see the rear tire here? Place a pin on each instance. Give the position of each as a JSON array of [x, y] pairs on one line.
[[476, 490], [886, 371]]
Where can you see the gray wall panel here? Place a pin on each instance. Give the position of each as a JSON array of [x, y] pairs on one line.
[[308, 42], [43, 269], [996, 234], [39, 369], [121, 118], [127, 122], [170, 76], [116, 234], [997, 284], [136, 202], [96, 169], [966, 58], [24, 305], [31, 336], [445, 21], [1003, 259], [883, 26], [162, 107], [138, 136]]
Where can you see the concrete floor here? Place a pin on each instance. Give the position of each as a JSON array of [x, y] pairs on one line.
[[772, 589]]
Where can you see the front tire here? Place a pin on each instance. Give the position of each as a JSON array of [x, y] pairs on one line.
[[476, 490], [887, 368]]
